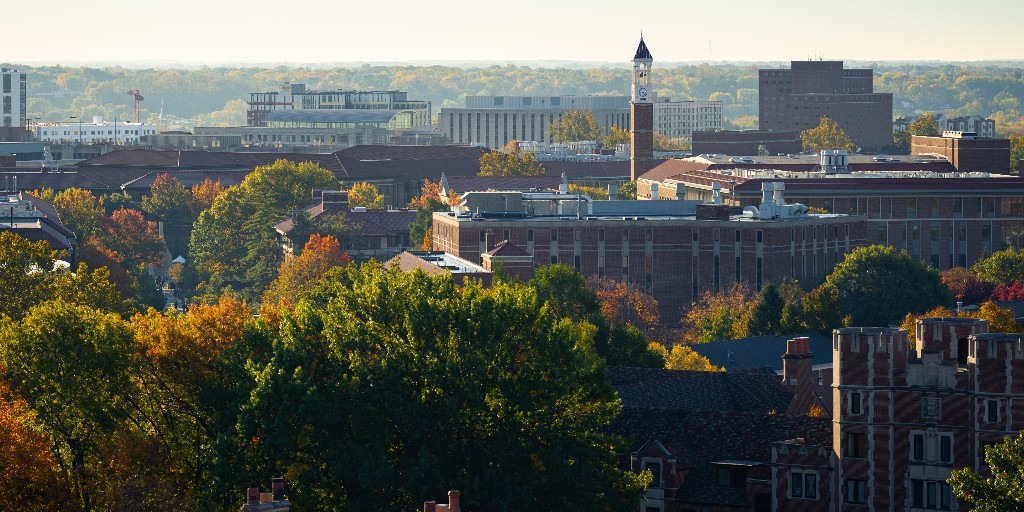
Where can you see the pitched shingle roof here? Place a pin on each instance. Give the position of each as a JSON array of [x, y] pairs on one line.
[[760, 351], [758, 390], [506, 248]]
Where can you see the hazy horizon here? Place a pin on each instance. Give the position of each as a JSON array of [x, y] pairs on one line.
[[598, 32]]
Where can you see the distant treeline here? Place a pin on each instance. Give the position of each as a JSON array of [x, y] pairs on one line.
[[217, 96]]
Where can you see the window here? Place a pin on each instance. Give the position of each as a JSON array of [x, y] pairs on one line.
[[803, 484], [529, 235], [917, 447], [945, 448], [655, 469], [856, 445], [930, 494], [855, 402], [992, 411], [554, 234], [732, 476], [855, 491]]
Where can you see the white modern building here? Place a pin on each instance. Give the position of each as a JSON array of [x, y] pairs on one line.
[[14, 98], [493, 121], [98, 131], [296, 97]]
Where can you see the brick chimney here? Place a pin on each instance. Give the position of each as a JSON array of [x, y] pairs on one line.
[[277, 487], [252, 496], [796, 364], [453, 501], [429, 506]]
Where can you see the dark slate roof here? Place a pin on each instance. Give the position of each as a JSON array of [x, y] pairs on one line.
[[758, 390], [641, 51], [579, 170], [331, 116], [159, 159], [381, 222], [314, 211], [48, 211], [760, 351], [700, 438], [188, 179]]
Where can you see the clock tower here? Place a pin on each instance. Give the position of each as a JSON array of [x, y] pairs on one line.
[[641, 110]]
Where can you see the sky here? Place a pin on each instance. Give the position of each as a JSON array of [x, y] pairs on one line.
[[197, 32]]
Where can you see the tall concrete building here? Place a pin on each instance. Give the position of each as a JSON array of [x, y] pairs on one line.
[[641, 110], [796, 98], [14, 98]]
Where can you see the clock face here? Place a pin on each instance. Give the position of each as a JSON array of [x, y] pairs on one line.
[[642, 92]]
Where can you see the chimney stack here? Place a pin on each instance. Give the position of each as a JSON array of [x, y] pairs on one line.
[[429, 506], [277, 487], [796, 364], [252, 496], [453, 501]]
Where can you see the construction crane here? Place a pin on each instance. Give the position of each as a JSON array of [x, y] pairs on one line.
[[138, 97]]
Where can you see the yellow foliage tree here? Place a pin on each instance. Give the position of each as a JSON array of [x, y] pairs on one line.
[[682, 357], [365, 195], [827, 135], [510, 161], [720, 316]]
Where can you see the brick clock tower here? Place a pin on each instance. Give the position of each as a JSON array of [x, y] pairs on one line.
[[641, 110]]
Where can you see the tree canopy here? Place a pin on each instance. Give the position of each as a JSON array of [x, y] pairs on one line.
[[1002, 490], [827, 135], [1002, 268], [510, 161], [233, 244], [365, 195], [575, 125], [878, 285], [926, 125]]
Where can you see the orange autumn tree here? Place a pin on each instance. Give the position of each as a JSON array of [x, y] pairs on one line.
[[131, 240], [299, 275], [203, 195], [623, 304], [30, 479]]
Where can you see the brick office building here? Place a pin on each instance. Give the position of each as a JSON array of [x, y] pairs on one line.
[[901, 420], [794, 99], [673, 250], [923, 205], [966, 152], [904, 418]]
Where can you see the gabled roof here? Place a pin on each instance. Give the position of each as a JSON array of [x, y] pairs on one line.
[[760, 351], [507, 249], [48, 211], [641, 51], [381, 222], [701, 438], [756, 390]]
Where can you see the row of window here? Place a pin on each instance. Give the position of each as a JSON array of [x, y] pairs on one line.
[[929, 494]]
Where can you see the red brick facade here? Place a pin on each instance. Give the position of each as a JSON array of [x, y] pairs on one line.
[[967, 155], [641, 139], [674, 259]]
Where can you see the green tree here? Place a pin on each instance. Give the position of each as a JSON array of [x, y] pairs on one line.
[[820, 311], [114, 202], [575, 125], [510, 161], [766, 317], [1001, 491], [925, 125], [616, 136], [365, 195], [1016, 152], [79, 211], [1002, 268], [901, 142], [627, 192], [627, 346], [827, 135], [721, 315], [233, 243], [77, 409], [596, 193], [168, 202], [878, 284], [386, 387]]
